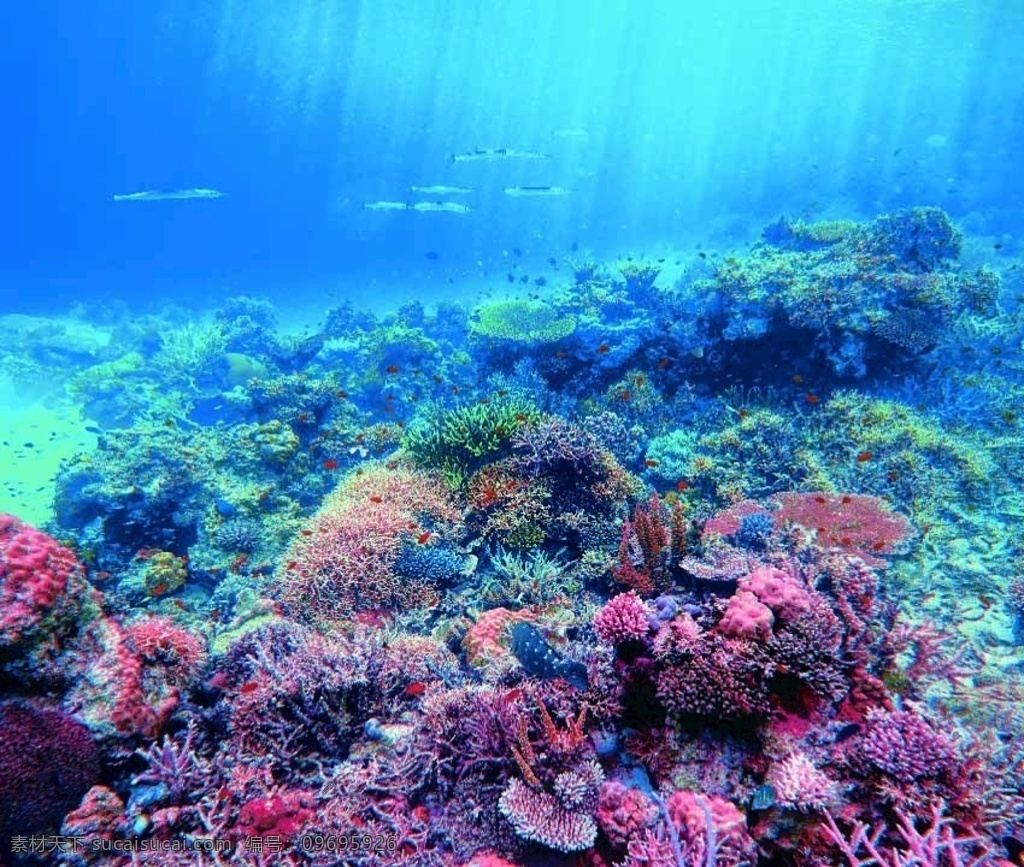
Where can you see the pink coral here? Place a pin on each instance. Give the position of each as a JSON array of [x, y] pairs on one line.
[[855, 523], [541, 817], [34, 575], [906, 747], [746, 617], [711, 829], [728, 521], [47, 762], [101, 816], [622, 812], [485, 643], [623, 618], [159, 640], [343, 561], [775, 589], [801, 785]]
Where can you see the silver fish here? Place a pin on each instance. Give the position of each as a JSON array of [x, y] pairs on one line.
[[450, 207], [478, 155], [160, 195], [385, 206], [442, 190], [537, 191]]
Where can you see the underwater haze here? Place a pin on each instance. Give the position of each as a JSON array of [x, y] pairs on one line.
[[512, 434], [672, 122]]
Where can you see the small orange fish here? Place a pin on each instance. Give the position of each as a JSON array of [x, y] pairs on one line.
[[330, 465], [159, 589], [664, 362], [423, 538], [864, 457], [650, 463], [292, 564], [248, 688], [343, 395], [521, 416], [682, 486], [306, 532], [414, 689], [797, 379], [603, 348], [376, 499], [560, 354], [391, 368], [625, 395], [303, 416], [812, 399]]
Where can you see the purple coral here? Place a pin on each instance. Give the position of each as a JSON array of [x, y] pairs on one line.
[[545, 819], [800, 785], [623, 618], [906, 747], [47, 763]]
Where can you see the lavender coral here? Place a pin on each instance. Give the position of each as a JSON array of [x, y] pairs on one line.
[[557, 820]]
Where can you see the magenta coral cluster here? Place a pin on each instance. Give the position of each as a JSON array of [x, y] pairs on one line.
[[622, 619]]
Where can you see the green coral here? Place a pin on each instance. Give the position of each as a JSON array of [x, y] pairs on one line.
[[889, 449], [521, 321], [459, 441]]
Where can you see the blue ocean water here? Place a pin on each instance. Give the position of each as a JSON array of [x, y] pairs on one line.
[[487, 434], [673, 124]]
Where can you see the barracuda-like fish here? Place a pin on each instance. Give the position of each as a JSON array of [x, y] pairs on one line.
[[537, 191], [479, 155], [449, 207], [386, 206], [442, 190], [160, 195]]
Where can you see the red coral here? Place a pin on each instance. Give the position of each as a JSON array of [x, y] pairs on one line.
[[282, 815], [650, 546], [623, 618], [34, 575], [160, 640], [854, 523]]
